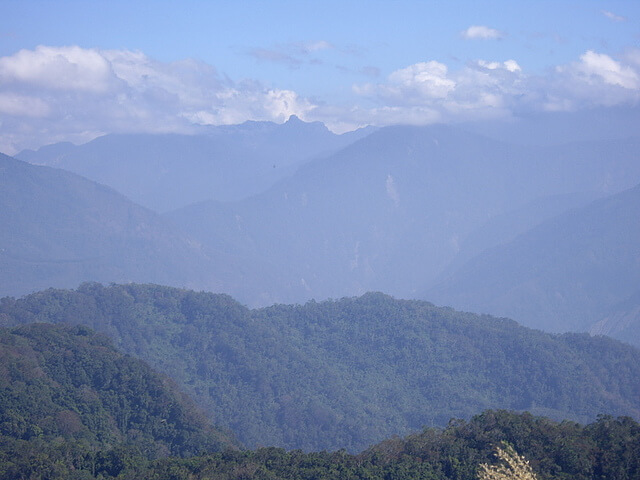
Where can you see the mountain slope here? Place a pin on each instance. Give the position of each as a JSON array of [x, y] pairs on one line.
[[165, 172], [67, 382], [505, 227], [347, 373], [390, 211], [565, 274], [59, 229]]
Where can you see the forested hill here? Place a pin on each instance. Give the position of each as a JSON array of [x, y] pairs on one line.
[[346, 373], [604, 450], [66, 384]]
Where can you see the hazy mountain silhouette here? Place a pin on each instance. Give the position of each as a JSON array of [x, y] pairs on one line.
[[59, 229], [505, 227], [391, 211], [165, 172], [564, 275]]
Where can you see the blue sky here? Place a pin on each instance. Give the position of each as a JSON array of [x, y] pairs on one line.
[[75, 70]]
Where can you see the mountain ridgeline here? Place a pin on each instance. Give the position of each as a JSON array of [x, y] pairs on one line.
[[346, 373], [224, 163], [60, 229]]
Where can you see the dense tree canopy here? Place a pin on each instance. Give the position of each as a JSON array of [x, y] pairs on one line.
[[65, 391], [346, 373], [608, 449]]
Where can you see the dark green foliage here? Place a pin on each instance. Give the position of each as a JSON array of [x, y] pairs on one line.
[[608, 449], [66, 393], [347, 373]]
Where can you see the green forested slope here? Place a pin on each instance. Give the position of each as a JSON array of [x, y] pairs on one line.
[[346, 373], [608, 449], [66, 389]]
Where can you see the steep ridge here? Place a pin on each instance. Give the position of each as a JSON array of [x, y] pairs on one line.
[[564, 275], [505, 227], [622, 321], [347, 373]]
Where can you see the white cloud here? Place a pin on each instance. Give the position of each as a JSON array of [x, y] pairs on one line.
[[23, 106], [60, 93], [426, 79], [510, 65], [613, 16], [604, 67], [595, 80], [68, 93], [58, 68], [429, 92], [481, 32]]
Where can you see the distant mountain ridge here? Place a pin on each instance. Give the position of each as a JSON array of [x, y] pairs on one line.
[[388, 212], [391, 211], [59, 229], [167, 171], [568, 273]]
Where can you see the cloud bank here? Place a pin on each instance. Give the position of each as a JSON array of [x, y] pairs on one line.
[[70, 93], [429, 92], [52, 94]]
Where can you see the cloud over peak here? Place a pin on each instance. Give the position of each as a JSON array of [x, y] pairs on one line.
[[73, 93], [52, 94], [481, 32]]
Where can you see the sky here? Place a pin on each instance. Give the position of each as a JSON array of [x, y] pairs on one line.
[[74, 70]]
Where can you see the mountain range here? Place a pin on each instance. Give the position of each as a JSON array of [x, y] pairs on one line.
[[59, 229], [167, 171], [400, 210], [390, 211]]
